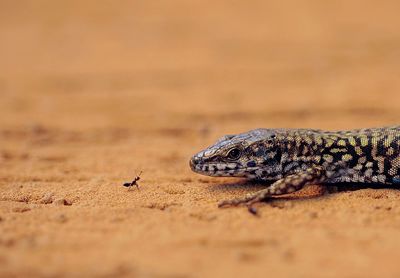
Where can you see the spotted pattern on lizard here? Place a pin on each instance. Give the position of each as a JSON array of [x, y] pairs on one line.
[[293, 158]]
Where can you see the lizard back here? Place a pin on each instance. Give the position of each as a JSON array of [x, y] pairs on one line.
[[363, 155]]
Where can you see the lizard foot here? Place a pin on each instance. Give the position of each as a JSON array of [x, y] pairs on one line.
[[249, 200]]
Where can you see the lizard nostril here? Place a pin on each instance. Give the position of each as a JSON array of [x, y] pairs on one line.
[[193, 162]]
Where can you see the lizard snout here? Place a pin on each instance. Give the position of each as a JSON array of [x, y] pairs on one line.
[[194, 161]]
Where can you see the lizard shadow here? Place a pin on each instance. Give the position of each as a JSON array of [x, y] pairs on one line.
[[246, 186], [240, 185]]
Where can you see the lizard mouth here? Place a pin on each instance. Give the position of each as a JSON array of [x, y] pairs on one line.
[[216, 169]]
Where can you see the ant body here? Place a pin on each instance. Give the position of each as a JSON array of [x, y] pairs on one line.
[[134, 182]]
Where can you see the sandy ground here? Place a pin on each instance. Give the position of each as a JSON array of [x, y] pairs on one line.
[[92, 92]]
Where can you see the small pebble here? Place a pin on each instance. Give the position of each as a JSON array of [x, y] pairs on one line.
[[21, 209], [23, 199], [47, 198], [62, 202]]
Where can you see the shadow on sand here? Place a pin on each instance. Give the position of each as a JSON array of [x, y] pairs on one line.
[[247, 186]]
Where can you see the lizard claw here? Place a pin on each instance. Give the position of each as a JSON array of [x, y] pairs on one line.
[[235, 202], [252, 209]]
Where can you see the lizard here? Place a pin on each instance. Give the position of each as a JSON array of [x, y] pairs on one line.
[[289, 159]]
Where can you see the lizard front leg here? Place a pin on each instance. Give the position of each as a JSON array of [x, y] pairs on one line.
[[285, 185]]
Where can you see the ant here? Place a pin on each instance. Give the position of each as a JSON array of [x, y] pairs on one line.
[[134, 182]]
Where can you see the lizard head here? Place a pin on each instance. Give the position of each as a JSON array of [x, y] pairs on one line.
[[254, 154]]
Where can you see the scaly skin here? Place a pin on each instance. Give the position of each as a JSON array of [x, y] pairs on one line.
[[293, 158]]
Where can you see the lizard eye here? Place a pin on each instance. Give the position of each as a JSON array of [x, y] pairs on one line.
[[234, 154]]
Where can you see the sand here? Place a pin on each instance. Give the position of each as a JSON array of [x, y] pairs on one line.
[[93, 92]]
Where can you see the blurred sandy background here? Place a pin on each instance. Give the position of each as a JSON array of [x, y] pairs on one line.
[[92, 92]]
